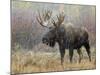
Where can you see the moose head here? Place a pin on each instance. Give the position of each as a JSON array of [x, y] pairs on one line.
[[45, 20]]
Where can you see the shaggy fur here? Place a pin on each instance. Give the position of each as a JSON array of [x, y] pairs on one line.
[[68, 38]]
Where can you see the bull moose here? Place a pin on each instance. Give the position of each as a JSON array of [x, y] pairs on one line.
[[67, 36]]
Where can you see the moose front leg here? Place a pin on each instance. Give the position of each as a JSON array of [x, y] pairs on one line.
[[71, 54], [62, 53]]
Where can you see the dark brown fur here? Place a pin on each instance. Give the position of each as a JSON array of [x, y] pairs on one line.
[[66, 35], [68, 38]]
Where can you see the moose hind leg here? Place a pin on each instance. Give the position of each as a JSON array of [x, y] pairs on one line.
[[80, 54], [87, 46], [71, 54]]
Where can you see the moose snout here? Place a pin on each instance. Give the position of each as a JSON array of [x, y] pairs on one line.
[[45, 41]]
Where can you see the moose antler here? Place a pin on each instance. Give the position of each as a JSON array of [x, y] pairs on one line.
[[44, 17], [54, 23], [60, 19]]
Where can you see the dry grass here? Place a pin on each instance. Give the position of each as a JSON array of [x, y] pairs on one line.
[[31, 62]]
